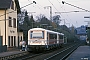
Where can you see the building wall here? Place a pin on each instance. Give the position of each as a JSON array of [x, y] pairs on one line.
[[11, 32], [20, 35], [2, 25]]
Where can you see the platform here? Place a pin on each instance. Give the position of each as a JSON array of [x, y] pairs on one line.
[[82, 53], [3, 54], [11, 54]]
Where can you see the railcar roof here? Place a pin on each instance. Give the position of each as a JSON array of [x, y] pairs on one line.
[[37, 29], [61, 33], [46, 30]]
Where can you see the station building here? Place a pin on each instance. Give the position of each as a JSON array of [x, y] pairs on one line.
[[9, 34]]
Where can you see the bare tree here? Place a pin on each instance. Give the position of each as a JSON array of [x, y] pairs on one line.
[[56, 19], [40, 17]]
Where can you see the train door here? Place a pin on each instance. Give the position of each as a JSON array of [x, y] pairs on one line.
[[57, 38], [48, 38]]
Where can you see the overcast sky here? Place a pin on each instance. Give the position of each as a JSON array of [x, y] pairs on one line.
[[76, 19]]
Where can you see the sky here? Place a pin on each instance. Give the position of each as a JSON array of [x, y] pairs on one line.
[[72, 18]]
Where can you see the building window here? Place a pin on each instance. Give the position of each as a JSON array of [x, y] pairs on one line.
[[10, 22], [12, 5], [9, 41], [14, 22]]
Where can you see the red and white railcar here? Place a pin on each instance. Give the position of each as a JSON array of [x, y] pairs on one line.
[[42, 39]]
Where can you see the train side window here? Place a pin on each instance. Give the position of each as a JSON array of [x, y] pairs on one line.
[[48, 36], [55, 36], [43, 34], [52, 36], [60, 36], [31, 34]]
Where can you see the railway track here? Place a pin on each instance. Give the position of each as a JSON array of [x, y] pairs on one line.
[[51, 55], [63, 54], [46, 55], [60, 54]]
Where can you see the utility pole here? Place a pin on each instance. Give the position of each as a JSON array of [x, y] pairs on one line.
[[50, 11], [5, 26]]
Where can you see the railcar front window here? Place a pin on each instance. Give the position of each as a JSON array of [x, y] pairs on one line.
[[37, 35]]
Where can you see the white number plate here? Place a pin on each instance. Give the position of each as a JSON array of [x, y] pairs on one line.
[[36, 41]]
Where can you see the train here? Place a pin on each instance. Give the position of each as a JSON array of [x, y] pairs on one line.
[[40, 39]]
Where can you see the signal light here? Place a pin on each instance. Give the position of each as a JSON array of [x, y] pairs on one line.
[[87, 28]]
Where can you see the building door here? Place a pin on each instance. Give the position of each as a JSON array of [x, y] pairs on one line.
[[11, 41], [18, 41], [14, 41], [8, 41]]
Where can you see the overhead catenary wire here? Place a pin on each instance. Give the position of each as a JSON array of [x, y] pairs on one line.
[[84, 10], [56, 8], [53, 5], [76, 6], [18, 9], [67, 12], [64, 9], [41, 9], [38, 5], [44, 10]]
